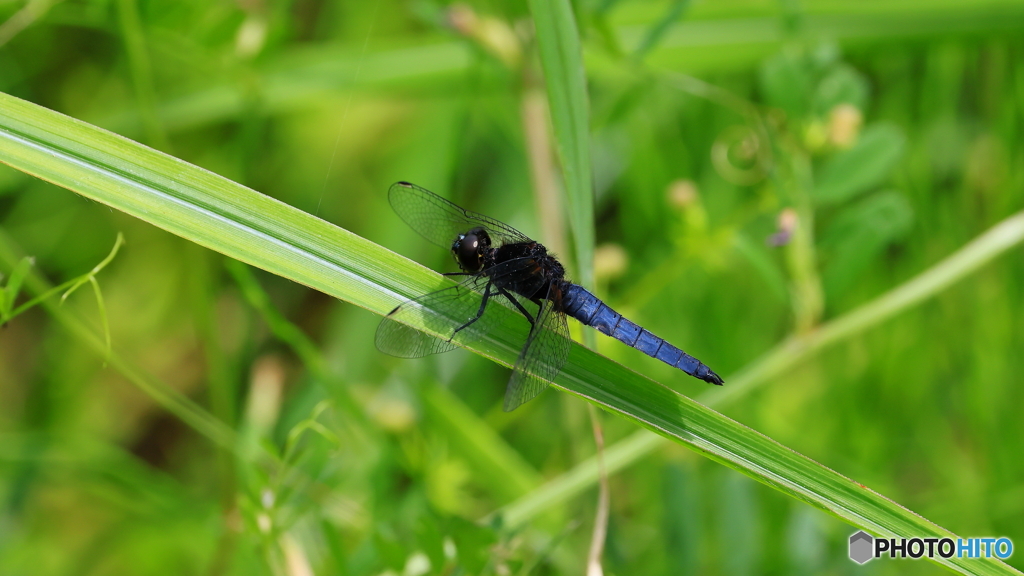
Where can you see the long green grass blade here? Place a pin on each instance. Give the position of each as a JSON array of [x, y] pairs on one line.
[[243, 224], [561, 56]]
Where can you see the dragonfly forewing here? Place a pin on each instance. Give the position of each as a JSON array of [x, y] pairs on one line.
[[442, 313], [457, 313], [441, 221]]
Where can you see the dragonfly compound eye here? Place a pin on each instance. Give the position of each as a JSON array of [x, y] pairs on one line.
[[469, 249]]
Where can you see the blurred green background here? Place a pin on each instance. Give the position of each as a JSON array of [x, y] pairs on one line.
[[760, 167]]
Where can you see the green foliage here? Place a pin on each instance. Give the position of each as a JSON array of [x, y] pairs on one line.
[[9, 293], [558, 45], [869, 162], [859, 233], [241, 423]]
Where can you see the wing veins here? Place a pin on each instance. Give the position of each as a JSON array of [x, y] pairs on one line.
[[439, 220], [445, 311], [542, 357]]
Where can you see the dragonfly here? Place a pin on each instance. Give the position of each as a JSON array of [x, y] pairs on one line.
[[500, 264]]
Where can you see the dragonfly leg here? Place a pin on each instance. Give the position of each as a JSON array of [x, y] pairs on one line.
[[479, 313], [457, 274], [516, 303]]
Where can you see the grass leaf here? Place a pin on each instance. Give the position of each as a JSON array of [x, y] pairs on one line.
[[562, 59]]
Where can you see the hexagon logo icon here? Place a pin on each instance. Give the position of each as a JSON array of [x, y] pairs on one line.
[[861, 547]]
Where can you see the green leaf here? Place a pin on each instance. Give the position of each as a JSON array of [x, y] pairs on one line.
[[243, 224], [786, 81], [842, 85], [852, 172], [472, 543], [390, 551], [859, 233], [760, 260], [430, 539]]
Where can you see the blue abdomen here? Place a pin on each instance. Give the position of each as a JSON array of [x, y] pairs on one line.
[[591, 311]]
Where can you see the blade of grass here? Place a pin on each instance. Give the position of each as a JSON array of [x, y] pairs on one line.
[[243, 224], [561, 57], [30, 13], [141, 71]]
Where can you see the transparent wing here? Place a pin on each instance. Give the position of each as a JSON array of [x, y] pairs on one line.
[[543, 356], [442, 312], [448, 309], [441, 221]]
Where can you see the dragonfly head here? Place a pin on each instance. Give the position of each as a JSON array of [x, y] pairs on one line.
[[469, 249]]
